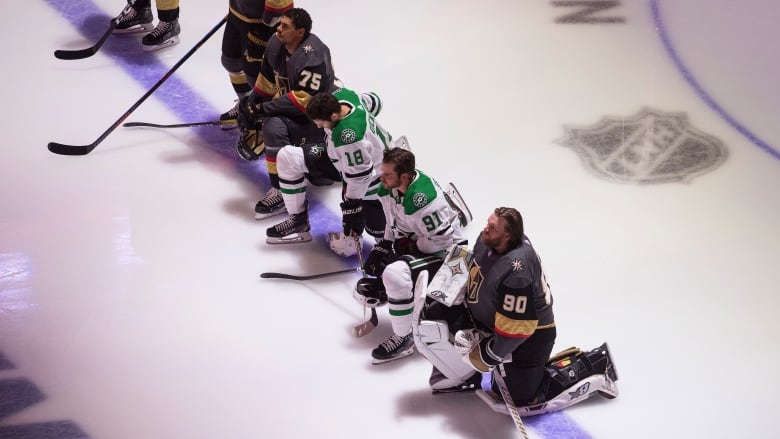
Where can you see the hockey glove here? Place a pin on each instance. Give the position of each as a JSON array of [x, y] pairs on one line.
[[250, 145], [377, 260], [405, 246], [481, 357], [352, 217], [250, 111]]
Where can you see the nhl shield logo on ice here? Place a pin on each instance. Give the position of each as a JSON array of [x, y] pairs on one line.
[[649, 147]]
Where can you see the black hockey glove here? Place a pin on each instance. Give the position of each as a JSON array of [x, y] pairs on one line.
[[352, 217], [380, 256], [405, 246], [482, 358], [250, 112]]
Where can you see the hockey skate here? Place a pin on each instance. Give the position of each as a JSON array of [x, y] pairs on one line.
[[271, 205], [166, 34], [229, 118], [441, 384], [292, 230], [393, 348], [131, 21], [455, 200]]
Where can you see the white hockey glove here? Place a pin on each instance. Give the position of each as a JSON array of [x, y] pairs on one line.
[[343, 245], [465, 339]]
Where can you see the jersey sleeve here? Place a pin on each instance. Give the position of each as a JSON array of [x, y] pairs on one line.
[[515, 319]]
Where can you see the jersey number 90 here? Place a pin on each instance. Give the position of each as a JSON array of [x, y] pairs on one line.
[[515, 304]]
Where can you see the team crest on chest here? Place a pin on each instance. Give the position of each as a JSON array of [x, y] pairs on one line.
[[420, 199], [348, 136], [308, 48], [316, 151], [475, 281]]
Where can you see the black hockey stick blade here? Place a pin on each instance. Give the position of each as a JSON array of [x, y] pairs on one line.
[[178, 125], [62, 149], [59, 148], [271, 275], [89, 51], [367, 326]]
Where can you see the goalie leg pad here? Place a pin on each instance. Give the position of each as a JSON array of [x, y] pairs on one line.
[[431, 338], [575, 393]]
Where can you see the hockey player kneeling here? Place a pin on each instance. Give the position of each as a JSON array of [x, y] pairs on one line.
[[492, 313], [421, 225]]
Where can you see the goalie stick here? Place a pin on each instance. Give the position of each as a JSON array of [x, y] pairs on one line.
[[178, 125], [89, 51], [368, 325], [510, 404], [59, 148]]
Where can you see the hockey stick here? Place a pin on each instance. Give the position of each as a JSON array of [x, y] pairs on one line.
[[369, 325], [89, 51], [59, 148], [178, 125], [510, 405], [271, 275]]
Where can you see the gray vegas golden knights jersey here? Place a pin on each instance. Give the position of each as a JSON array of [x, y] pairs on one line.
[[509, 294], [287, 82]]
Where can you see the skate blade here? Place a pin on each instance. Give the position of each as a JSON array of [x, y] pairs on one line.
[[403, 354], [167, 43], [137, 29], [290, 239], [260, 216]]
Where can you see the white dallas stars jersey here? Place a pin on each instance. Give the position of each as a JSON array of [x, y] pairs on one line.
[[355, 146], [422, 214]]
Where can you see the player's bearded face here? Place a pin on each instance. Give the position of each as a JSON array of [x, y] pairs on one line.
[[494, 234], [390, 179]]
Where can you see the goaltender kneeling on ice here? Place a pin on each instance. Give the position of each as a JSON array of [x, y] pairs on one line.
[[490, 312]]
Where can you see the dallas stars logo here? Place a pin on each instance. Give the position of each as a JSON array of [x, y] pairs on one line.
[[308, 48], [348, 136], [517, 264]]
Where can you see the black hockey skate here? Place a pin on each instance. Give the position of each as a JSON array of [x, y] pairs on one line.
[[292, 230], [229, 118], [272, 204], [166, 34], [393, 348], [131, 21], [472, 383]]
